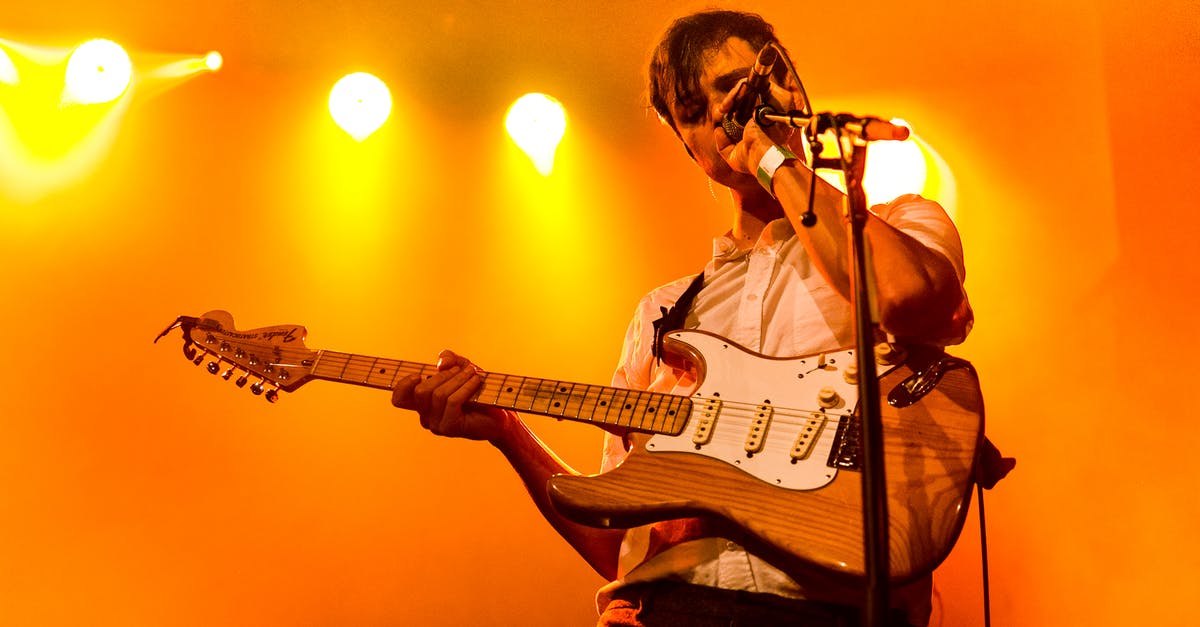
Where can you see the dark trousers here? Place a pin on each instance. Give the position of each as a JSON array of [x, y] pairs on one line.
[[671, 604]]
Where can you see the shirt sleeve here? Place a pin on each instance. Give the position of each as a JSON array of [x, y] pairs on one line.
[[636, 369], [928, 223]]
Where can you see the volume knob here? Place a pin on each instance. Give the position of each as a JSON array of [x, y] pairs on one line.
[[828, 398], [850, 374], [888, 354]]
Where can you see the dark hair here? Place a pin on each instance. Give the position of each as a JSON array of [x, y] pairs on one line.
[[678, 60]]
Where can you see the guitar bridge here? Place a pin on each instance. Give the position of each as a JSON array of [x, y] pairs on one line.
[[847, 444]]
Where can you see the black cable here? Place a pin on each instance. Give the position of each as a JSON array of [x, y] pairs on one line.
[[987, 596]]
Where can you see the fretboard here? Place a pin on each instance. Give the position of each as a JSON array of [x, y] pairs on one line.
[[632, 409]]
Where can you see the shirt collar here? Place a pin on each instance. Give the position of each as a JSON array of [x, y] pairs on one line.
[[726, 250]]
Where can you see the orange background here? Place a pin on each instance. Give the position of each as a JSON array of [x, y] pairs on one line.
[[137, 490]]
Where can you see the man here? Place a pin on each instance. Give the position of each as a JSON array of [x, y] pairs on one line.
[[774, 286]]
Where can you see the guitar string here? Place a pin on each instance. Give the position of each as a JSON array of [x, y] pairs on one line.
[[730, 411]]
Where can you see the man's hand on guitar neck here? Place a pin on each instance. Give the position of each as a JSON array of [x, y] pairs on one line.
[[441, 401]]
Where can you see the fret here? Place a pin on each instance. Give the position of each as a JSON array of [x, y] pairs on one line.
[[565, 400], [586, 410], [540, 394], [507, 392], [577, 400], [681, 409], [355, 371], [388, 370], [604, 402], [640, 411], [622, 407], [328, 366], [371, 371], [525, 396], [489, 392], [341, 375], [550, 390]]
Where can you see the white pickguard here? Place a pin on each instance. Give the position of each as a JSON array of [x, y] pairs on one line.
[[742, 391]]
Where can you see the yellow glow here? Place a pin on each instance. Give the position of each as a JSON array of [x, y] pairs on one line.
[[8, 71], [536, 123], [940, 185], [911, 166], [360, 103], [98, 71], [214, 60], [894, 168]]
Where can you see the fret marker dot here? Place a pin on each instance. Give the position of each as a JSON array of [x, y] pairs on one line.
[[603, 403], [628, 406]]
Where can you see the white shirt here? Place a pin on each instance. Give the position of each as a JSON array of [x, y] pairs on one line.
[[771, 300]]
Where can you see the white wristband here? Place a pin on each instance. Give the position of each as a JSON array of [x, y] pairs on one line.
[[774, 157]]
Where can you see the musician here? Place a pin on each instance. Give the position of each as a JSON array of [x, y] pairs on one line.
[[773, 285]]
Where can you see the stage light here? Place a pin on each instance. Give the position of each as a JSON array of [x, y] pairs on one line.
[[8, 71], [213, 61], [360, 103], [894, 168], [98, 71], [536, 123], [911, 166]]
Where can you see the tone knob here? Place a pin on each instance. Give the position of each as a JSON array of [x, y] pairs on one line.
[[888, 354], [828, 398], [850, 374]]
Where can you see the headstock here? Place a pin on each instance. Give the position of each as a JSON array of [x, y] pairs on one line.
[[267, 359]]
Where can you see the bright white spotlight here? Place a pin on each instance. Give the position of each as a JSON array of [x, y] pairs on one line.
[[894, 168], [98, 71], [213, 61], [536, 123], [8, 71], [360, 104]]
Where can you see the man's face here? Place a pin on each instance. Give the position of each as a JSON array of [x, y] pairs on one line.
[[698, 122]]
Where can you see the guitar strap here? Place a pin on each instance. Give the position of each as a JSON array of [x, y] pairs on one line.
[[673, 318]]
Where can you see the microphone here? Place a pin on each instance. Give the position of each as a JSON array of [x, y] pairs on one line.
[[754, 89]]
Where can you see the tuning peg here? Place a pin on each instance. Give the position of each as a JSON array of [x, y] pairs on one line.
[[272, 395], [241, 381], [256, 388], [198, 359], [213, 367], [227, 374]]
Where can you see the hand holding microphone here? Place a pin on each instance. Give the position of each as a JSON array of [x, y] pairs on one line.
[[756, 87]]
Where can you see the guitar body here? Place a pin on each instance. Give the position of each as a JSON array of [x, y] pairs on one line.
[[800, 513]]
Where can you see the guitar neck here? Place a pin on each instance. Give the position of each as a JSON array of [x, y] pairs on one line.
[[597, 404]]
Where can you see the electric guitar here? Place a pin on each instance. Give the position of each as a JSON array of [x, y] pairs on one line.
[[767, 448]]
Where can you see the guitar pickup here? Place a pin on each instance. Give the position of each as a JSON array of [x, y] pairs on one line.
[[810, 430], [756, 438], [707, 413]]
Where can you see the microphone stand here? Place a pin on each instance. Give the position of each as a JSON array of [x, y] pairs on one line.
[[853, 133]]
